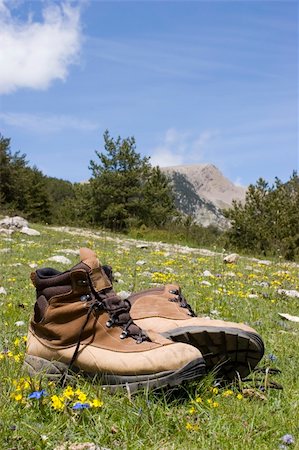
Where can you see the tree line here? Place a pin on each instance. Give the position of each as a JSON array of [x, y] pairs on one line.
[[125, 193]]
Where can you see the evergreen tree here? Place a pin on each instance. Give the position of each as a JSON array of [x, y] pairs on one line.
[[268, 221], [126, 190], [22, 189]]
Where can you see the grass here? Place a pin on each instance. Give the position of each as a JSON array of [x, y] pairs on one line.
[[200, 415]]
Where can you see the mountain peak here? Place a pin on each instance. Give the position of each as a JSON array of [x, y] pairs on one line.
[[210, 183]]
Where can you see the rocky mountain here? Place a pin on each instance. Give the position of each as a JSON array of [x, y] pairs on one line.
[[202, 191]]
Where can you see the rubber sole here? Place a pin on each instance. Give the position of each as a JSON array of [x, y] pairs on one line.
[[55, 370], [227, 351]]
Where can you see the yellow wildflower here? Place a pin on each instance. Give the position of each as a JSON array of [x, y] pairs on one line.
[[96, 403], [227, 393], [57, 402], [215, 404], [68, 393], [192, 410], [239, 396], [81, 396], [198, 400]]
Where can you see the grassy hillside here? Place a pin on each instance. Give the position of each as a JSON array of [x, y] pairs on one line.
[[197, 416]]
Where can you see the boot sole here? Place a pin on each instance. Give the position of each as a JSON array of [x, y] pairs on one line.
[[230, 352], [55, 371]]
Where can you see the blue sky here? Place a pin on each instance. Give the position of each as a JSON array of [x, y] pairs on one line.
[[194, 82]]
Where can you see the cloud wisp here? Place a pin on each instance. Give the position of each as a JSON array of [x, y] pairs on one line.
[[181, 147], [33, 54], [47, 123]]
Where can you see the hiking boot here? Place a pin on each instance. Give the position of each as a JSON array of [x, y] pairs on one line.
[[81, 326], [228, 348]]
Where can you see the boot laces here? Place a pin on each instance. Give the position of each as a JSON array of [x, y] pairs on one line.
[[119, 315], [179, 298]]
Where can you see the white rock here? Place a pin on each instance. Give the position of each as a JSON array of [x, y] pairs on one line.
[[29, 231], [69, 251], [19, 323], [32, 265], [116, 274], [289, 317], [7, 231], [142, 246], [3, 291], [288, 293], [205, 283], [263, 262], [60, 259], [252, 296], [231, 259], [124, 294], [141, 262], [230, 274], [13, 222], [146, 274], [207, 273]]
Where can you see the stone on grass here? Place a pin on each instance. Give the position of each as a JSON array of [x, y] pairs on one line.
[[81, 446], [205, 283], [141, 262], [29, 231], [60, 259], [19, 323], [231, 259], [15, 222], [3, 291], [289, 317], [207, 273], [7, 231], [142, 246], [124, 294], [69, 251], [289, 293]]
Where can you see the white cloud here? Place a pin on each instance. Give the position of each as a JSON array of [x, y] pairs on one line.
[[32, 53], [181, 148], [47, 123]]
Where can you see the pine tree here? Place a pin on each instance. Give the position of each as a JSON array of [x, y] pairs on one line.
[[268, 221], [126, 190]]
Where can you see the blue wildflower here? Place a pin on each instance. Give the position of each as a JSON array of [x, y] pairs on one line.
[[80, 405], [37, 394], [288, 439], [272, 357]]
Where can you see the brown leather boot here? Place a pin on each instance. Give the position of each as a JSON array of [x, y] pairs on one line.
[[81, 326], [227, 347]]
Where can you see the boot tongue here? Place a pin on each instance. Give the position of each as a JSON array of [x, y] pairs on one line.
[[89, 258]]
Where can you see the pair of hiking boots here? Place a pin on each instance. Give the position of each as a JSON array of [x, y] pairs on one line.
[[151, 339]]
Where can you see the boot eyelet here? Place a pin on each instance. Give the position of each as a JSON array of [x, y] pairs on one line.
[[124, 334], [174, 291], [81, 282], [85, 298], [109, 323]]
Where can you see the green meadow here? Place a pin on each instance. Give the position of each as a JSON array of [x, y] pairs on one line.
[[248, 414]]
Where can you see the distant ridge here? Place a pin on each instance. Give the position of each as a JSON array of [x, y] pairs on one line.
[[201, 190]]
